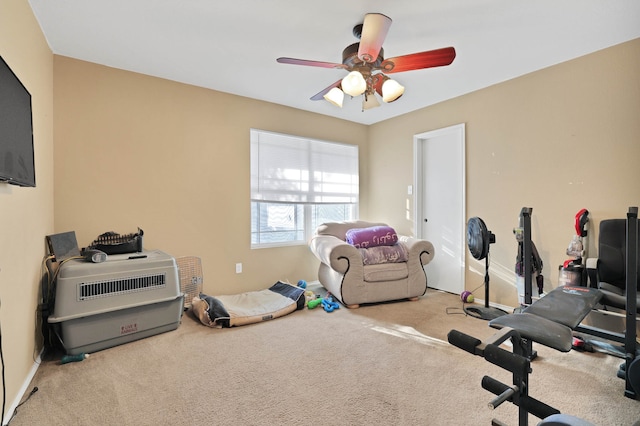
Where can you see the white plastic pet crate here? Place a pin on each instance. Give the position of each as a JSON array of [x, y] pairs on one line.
[[126, 298]]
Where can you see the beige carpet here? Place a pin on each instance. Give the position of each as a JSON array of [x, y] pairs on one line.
[[386, 364]]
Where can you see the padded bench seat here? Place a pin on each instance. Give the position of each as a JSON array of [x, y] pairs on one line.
[[537, 329], [550, 319], [567, 305]]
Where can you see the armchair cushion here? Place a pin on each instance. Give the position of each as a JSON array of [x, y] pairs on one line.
[[385, 272]]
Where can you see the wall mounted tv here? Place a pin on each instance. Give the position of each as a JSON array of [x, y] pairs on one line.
[[17, 165]]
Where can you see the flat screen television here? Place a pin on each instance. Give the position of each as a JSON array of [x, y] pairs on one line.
[[17, 164]]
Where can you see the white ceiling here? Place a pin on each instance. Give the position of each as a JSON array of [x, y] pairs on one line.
[[232, 46]]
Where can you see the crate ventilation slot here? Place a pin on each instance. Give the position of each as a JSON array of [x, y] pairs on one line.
[[117, 287]]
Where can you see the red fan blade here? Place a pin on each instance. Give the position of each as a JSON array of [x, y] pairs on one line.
[[416, 61], [294, 61], [374, 31], [320, 96]]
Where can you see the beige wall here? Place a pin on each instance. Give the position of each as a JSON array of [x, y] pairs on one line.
[[26, 214], [173, 159], [558, 140]]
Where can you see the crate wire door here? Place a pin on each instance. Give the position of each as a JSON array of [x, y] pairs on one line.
[[190, 273]]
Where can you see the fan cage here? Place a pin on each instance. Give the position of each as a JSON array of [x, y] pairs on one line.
[[478, 238], [191, 279]]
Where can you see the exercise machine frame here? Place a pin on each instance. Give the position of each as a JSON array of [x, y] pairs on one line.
[[628, 339], [531, 325]]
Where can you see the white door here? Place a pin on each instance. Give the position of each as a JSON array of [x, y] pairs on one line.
[[439, 206]]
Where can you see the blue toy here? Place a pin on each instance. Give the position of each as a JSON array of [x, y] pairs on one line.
[[302, 284], [329, 304]]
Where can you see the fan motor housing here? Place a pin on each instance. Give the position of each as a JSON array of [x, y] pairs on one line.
[[351, 60]]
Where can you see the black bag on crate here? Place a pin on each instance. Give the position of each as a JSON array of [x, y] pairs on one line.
[[113, 243]]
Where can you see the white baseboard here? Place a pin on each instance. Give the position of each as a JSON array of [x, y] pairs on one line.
[[23, 389]]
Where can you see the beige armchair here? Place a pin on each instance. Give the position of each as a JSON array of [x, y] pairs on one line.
[[345, 275]]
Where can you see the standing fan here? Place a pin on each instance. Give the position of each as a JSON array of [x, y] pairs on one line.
[[479, 238]]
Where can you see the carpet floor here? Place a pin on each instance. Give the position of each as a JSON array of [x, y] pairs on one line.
[[382, 364]]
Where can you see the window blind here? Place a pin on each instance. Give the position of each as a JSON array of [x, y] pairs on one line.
[[289, 169]]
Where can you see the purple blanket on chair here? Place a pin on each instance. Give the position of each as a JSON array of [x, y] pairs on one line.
[[373, 236], [384, 254]]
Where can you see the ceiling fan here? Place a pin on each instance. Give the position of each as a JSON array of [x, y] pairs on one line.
[[367, 66]]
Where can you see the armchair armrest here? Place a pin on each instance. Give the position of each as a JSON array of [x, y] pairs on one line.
[[417, 248], [341, 256], [334, 252]]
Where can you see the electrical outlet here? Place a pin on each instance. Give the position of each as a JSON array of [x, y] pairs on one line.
[[238, 268]]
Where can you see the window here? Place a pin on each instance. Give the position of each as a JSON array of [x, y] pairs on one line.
[[297, 184]]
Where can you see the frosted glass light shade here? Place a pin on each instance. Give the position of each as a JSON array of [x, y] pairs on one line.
[[335, 96], [370, 102], [354, 84], [391, 90]]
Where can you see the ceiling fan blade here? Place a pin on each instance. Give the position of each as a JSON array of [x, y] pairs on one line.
[[416, 61], [374, 31], [321, 64], [320, 95]]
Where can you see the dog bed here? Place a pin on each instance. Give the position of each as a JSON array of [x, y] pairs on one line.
[[247, 308]]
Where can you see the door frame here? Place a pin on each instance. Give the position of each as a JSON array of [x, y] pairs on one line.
[[418, 185]]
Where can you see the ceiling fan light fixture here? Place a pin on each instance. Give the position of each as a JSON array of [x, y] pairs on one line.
[[369, 101], [335, 96], [354, 84], [391, 90]]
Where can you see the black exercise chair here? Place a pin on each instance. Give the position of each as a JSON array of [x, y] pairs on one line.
[[617, 276], [609, 275]]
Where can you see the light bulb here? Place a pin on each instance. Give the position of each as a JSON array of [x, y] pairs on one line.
[[391, 90], [369, 101], [335, 96], [354, 84]]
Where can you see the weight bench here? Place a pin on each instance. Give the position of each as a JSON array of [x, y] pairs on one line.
[[551, 319], [548, 321]]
